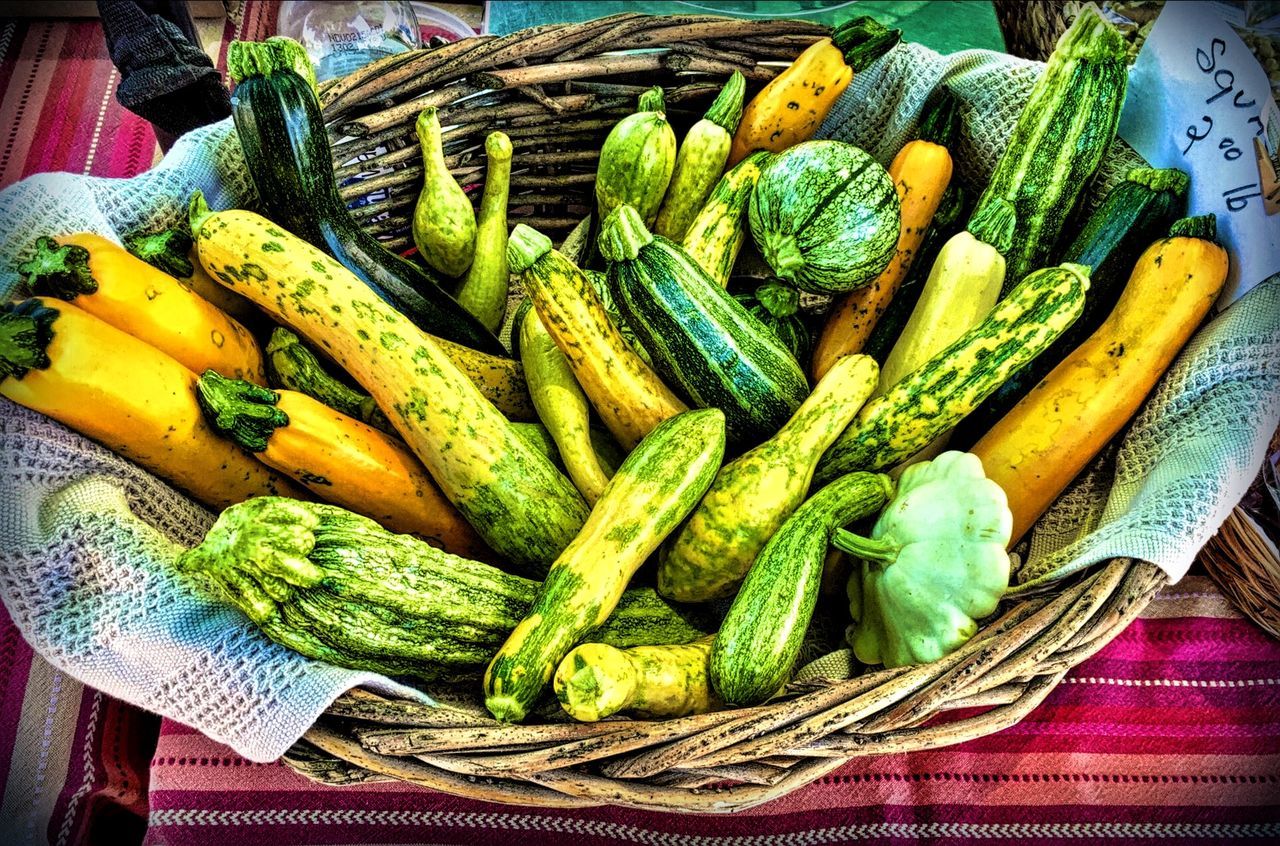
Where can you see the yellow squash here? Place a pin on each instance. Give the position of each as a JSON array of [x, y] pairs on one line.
[[1053, 433], [106, 280], [136, 401]]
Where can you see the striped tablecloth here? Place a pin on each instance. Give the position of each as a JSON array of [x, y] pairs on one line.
[[1172, 731]]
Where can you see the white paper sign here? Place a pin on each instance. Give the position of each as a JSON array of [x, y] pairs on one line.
[[1197, 100]]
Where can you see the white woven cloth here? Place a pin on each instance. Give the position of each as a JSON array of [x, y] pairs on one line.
[[86, 538]]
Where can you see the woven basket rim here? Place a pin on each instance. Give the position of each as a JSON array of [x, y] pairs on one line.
[[734, 759]]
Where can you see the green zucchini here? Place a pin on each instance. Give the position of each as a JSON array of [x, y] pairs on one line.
[[1063, 132], [286, 151], [699, 336], [654, 489], [444, 222], [933, 398], [335, 586], [825, 216], [777, 306], [714, 237], [701, 160], [1135, 213], [755, 493], [637, 160], [484, 291], [761, 635]]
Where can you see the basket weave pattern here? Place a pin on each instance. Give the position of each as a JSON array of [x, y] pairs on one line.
[[557, 92]]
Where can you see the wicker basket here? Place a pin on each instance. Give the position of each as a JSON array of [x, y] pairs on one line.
[[556, 95]]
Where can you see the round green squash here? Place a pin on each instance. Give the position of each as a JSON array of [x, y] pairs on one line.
[[825, 216]]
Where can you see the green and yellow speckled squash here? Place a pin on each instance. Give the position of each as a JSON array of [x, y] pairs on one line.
[[655, 488], [714, 238], [522, 506], [933, 398]]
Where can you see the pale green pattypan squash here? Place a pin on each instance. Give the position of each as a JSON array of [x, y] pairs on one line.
[[935, 563]]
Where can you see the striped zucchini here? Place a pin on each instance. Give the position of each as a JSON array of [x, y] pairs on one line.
[[596, 680], [761, 635], [626, 393], [825, 216], [755, 493], [934, 397], [654, 489], [514, 497], [1064, 130], [636, 160], [335, 586], [699, 336], [714, 238], [700, 161]]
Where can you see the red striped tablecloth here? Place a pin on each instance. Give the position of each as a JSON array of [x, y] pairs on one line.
[[1172, 731]]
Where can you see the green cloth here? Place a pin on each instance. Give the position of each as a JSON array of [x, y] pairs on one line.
[[943, 26]]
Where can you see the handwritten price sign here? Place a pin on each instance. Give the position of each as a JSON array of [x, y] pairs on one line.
[[1198, 100]]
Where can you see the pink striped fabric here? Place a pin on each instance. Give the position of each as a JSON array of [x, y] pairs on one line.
[[1171, 732]]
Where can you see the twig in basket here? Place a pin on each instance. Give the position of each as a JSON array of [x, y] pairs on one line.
[[762, 52], [611, 36], [375, 72], [561, 71], [408, 112], [424, 66], [749, 30], [693, 48]]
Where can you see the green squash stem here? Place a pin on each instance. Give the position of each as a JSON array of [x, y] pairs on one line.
[[292, 366], [782, 251], [26, 329], [653, 100], [862, 40], [165, 250], [941, 119], [238, 410], [1204, 227], [726, 110], [58, 271], [248, 59], [994, 224], [877, 551], [624, 235], [778, 299], [198, 212], [1161, 179], [525, 246]]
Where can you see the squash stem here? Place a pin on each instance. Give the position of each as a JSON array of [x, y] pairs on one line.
[[778, 299], [782, 252], [869, 549], [1161, 179], [198, 212], [623, 235], [940, 120], [430, 138], [525, 246], [166, 250], [1204, 227], [653, 100], [863, 40], [993, 223], [238, 410], [249, 59], [58, 271], [726, 111], [26, 329]]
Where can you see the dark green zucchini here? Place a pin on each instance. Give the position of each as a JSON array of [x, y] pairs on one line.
[[1137, 212], [286, 149], [699, 337]]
